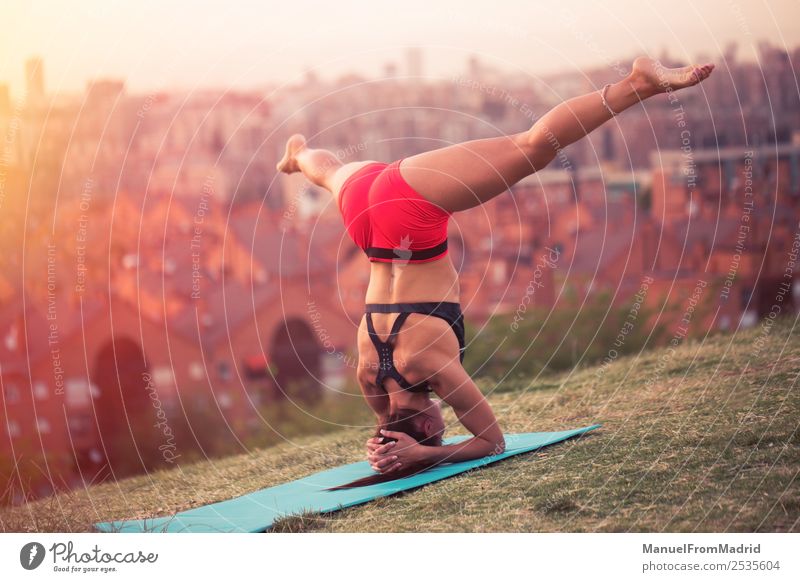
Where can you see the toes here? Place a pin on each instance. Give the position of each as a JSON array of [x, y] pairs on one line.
[[700, 73], [705, 70]]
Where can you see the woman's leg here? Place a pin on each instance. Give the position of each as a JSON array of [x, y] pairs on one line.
[[321, 167], [465, 175]]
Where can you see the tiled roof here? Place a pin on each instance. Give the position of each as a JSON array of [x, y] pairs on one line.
[[284, 253], [594, 250], [29, 324], [221, 312]]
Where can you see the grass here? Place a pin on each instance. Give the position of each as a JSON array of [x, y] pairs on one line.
[[702, 438]]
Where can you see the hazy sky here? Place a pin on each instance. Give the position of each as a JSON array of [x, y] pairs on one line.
[[163, 44]]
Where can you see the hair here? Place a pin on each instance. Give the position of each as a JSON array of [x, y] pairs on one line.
[[403, 420]]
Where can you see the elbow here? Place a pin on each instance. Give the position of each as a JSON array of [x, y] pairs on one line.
[[495, 446]]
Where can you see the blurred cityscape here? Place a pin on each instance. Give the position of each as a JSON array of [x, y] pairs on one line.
[[162, 289]]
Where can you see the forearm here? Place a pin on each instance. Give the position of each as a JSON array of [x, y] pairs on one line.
[[472, 448]]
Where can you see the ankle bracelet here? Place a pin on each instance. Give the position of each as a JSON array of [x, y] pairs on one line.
[[603, 98]]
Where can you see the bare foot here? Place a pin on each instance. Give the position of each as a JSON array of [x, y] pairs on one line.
[[649, 77], [288, 163]]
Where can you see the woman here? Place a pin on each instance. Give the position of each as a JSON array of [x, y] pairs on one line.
[[411, 340]]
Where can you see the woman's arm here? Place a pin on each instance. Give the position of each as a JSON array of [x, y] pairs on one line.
[[453, 385], [376, 397]]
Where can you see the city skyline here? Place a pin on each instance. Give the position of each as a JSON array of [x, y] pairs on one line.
[[252, 54]]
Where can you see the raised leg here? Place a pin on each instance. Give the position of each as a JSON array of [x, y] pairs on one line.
[[465, 175], [321, 167], [318, 166]]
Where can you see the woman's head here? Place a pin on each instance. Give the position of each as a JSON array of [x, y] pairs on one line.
[[424, 426]]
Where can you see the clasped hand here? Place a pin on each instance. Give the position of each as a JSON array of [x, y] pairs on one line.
[[391, 456]]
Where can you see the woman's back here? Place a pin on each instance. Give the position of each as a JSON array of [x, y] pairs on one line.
[[413, 282], [417, 339], [430, 282]]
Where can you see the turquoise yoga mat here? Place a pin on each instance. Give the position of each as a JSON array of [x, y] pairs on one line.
[[256, 512]]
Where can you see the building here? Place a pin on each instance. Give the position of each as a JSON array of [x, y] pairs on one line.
[[34, 82]]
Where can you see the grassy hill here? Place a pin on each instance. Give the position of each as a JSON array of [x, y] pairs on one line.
[[701, 437]]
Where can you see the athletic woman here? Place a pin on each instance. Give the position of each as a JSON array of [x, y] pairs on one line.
[[411, 339]]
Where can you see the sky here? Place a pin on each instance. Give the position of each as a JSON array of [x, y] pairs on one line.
[[185, 44]]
